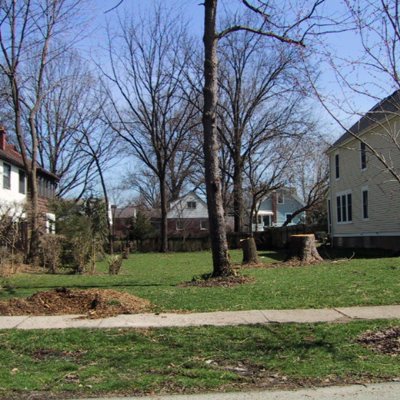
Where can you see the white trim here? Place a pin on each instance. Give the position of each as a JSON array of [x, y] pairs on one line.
[[365, 189], [201, 225], [262, 212], [340, 194]]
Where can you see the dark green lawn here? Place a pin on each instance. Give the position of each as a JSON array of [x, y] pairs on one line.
[[363, 281], [85, 362]]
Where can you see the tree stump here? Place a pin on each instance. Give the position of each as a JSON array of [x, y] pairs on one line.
[[249, 248], [304, 249]]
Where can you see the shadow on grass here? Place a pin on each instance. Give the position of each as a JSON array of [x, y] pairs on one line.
[[278, 255]]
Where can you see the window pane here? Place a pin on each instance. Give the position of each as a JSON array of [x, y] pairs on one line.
[[6, 176], [339, 209], [365, 203], [337, 165], [363, 156], [349, 208], [22, 181], [344, 211]]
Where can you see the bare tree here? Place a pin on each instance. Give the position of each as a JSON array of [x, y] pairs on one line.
[[72, 99], [291, 30], [28, 32], [309, 173], [148, 70], [256, 77]]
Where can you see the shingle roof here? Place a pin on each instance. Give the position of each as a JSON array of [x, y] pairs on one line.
[[385, 108], [11, 155]]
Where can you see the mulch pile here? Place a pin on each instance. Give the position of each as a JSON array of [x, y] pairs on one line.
[[95, 303], [229, 281], [386, 341]]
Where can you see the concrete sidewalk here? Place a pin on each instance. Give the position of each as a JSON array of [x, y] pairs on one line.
[[221, 318], [380, 391]]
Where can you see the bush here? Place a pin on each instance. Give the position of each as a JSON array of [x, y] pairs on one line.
[[51, 249], [114, 264]]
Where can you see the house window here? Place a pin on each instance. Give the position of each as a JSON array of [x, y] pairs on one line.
[[365, 203], [179, 225], [281, 198], [288, 217], [344, 208], [6, 176], [50, 224], [337, 171], [191, 205], [363, 155], [266, 220], [257, 220], [203, 225], [22, 185]]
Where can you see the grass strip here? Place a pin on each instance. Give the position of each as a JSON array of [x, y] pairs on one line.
[[96, 362]]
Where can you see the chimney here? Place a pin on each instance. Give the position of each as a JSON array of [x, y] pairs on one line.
[[3, 138]]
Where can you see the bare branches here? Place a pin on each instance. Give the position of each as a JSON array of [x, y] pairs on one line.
[[283, 39]]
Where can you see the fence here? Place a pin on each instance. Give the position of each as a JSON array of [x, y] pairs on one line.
[[272, 238]]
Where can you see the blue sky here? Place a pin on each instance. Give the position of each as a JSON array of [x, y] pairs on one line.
[[344, 44]]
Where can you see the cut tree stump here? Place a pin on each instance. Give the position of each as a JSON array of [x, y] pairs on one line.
[[249, 248], [304, 249]]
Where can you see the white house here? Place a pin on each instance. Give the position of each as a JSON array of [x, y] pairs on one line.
[[14, 188], [188, 214], [364, 197]]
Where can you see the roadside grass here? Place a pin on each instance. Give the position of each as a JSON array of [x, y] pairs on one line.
[[155, 276], [176, 360]]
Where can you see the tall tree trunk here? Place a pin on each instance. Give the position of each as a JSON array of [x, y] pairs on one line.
[[219, 244], [238, 196], [33, 216], [164, 225]]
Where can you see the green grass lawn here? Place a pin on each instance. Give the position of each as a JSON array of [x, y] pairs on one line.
[[85, 362], [155, 276]]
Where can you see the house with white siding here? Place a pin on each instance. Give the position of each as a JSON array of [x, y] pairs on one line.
[[364, 194], [189, 215], [14, 188]]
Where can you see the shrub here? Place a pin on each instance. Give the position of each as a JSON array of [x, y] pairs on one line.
[[114, 264], [51, 248]]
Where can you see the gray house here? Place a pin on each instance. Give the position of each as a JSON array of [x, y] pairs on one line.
[[275, 209]]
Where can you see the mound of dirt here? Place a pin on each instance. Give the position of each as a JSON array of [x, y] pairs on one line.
[[229, 281], [386, 341], [95, 303]]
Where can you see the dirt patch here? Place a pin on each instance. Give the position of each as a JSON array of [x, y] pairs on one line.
[[95, 303], [386, 341], [228, 281]]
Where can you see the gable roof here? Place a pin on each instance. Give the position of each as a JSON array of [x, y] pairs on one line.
[[182, 198], [385, 108]]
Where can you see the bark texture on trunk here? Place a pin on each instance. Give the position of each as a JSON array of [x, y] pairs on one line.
[[164, 211], [238, 197], [219, 245], [304, 249], [249, 248]]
